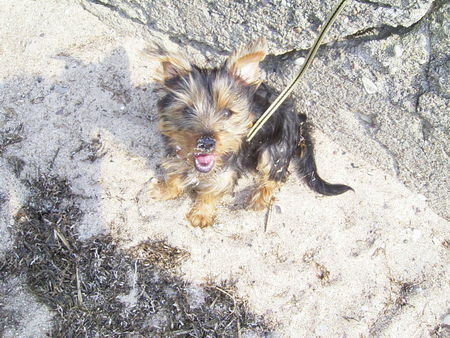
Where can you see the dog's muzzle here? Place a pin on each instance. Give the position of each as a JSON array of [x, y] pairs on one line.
[[204, 159], [206, 144]]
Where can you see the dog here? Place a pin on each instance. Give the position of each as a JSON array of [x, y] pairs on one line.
[[205, 115]]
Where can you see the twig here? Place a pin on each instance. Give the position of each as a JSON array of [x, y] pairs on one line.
[[79, 295], [238, 328], [268, 214], [229, 295], [54, 158], [62, 238], [214, 301]]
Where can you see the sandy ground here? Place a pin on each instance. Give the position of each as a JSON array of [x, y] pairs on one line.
[[374, 262]]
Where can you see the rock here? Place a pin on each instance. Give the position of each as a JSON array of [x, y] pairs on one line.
[[446, 320], [299, 61], [232, 23], [369, 85]]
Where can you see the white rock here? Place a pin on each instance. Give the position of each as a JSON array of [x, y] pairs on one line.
[[299, 61], [446, 320], [369, 85], [398, 51]]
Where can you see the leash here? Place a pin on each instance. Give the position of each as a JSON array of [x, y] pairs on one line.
[[309, 58]]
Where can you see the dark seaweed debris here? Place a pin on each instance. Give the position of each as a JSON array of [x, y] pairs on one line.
[[440, 331], [10, 136], [97, 290]]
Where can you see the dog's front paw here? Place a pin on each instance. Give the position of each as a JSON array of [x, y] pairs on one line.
[[199, 219], [163, 191], [156, 189]]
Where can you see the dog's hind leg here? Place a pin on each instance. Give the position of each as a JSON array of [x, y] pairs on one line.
[[262, 196]]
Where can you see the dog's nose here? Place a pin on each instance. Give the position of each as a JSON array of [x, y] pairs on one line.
[[206, 143]]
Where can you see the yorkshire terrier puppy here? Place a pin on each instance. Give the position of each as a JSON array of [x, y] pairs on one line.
[[204, 116]]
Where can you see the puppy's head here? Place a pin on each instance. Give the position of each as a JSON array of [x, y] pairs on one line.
[[206, 113]]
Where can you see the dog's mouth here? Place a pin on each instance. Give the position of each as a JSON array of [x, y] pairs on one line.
[[204, 162]]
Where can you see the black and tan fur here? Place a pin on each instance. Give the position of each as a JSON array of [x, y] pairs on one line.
[[205, 115]]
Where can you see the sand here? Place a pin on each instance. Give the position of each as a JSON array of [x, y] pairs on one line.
[[373, 262]]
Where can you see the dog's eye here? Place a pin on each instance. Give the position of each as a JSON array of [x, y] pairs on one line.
[[227, 113]]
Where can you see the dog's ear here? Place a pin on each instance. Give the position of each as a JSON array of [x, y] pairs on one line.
[[173, 66], [244, 61], [170, 62]]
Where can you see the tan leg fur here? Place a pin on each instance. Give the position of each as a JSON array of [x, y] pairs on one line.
[[203, 213], [170, 189]]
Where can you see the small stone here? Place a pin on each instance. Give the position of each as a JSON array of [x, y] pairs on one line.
[[446, 320], [278, 209], [299, 61], [60, 89], [365, 118], [398, 51], [369, 85]]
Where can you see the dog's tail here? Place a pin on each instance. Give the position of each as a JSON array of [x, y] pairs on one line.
[[307, 166]]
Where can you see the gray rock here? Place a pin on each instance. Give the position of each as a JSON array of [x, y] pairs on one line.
[[287, 25], [446, 320]]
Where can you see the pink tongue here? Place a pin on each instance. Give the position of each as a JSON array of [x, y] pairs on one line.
[[204, 159]]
